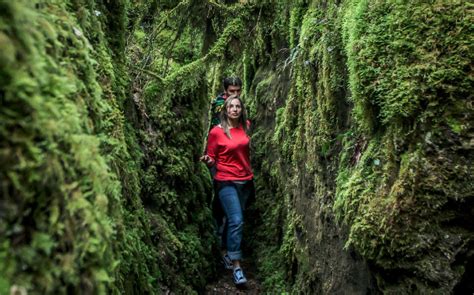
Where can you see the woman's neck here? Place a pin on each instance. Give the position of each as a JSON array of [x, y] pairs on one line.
[[233, 123]]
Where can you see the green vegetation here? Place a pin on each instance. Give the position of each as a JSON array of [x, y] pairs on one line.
[[373, 108], [92, 201], [362, 143]]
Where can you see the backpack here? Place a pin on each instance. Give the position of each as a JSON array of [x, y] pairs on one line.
[[216, 108]]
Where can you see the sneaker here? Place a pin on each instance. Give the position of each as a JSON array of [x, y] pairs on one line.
[[239, 277], [227, 262]]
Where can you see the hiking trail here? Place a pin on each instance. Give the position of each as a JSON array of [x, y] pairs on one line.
[[223, 284]]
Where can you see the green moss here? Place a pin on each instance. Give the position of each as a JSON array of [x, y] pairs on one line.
[[361, 127], [456, 126], [73, 173], [398, 61], [397, 76]]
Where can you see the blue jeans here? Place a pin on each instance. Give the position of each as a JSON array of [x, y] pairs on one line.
[[233, 204]]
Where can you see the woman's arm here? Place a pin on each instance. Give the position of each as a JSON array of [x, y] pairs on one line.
[[210, 157]]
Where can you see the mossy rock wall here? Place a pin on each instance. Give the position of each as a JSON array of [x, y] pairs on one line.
[[362, 143], [96, 195], [364, 148]]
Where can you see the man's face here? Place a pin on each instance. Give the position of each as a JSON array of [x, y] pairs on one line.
[[233, 90]]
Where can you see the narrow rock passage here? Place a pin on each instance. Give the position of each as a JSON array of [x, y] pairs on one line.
[[224, 284]]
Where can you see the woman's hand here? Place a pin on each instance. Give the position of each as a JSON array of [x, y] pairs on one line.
[[208, 160]]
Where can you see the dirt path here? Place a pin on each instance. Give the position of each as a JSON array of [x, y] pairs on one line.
[[225, 285]]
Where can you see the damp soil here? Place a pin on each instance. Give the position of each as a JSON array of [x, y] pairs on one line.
[[223, 284]]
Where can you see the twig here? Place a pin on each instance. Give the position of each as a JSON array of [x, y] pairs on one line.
[[148, 72]]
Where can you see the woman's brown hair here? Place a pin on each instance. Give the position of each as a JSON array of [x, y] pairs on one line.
[[225, 117]]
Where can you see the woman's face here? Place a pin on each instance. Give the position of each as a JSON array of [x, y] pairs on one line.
[[234, 109]]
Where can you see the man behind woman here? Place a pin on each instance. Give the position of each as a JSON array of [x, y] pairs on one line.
[[228, 151]]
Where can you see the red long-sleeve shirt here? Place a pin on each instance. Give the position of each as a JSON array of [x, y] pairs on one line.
[[231, 155]]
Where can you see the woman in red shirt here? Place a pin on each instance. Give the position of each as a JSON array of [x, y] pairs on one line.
[[228, 149]]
